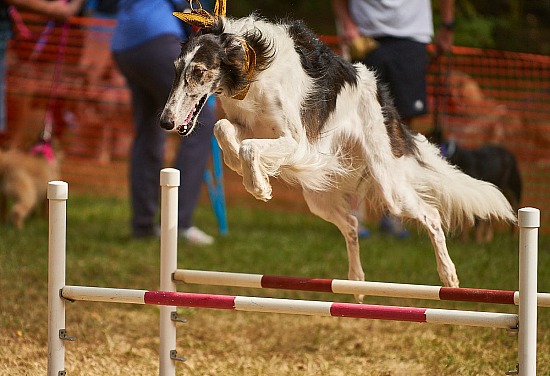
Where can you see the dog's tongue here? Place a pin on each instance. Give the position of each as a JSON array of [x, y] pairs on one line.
[[189, 117], [183, 127], [187, 120]]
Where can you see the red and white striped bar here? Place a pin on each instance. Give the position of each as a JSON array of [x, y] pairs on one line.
[[289, 306], [396, 290]]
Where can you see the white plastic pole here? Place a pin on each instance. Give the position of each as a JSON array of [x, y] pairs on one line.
[[203, 277], [103, 294], [169, 182], [58, 193], [471, 318], [529, 223]]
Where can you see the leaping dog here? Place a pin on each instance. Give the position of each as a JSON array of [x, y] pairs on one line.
[[297, 111]]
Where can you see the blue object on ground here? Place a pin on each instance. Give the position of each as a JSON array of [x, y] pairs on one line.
[[215, 187]]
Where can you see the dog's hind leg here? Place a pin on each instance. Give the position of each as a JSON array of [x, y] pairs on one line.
[[431, 220], [335, 207], [445, 266], [401, 199]]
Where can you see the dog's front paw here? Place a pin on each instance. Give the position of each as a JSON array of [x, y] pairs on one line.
[[264, 195], [259, 188], [261, 193]]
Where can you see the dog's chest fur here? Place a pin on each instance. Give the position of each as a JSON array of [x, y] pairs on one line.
[[256, 118]]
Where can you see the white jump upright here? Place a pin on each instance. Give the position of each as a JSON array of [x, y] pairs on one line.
[[169, 184], [529, 223], [58, 193]]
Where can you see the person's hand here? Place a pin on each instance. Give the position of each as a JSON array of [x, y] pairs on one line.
[[350, 32], [62, 10], [444, 40]]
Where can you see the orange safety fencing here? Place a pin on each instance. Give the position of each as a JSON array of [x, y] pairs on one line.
[[478, 96]]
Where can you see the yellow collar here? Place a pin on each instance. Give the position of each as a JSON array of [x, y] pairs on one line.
[[249, 66]]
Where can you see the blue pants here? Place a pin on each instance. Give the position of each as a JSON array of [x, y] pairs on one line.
[[149, 71]]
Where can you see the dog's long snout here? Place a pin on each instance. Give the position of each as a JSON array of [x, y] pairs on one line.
[[166, 121]]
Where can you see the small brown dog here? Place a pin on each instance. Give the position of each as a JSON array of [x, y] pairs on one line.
[[24, 178]]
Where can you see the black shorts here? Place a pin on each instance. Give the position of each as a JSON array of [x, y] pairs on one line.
[[401, 64]]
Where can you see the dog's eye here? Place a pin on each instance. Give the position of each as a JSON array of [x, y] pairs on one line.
[[198, 72]]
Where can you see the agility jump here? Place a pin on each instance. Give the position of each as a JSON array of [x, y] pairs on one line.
[[168, 298]]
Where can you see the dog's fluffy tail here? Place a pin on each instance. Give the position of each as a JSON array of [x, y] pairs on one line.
[[458, 197]]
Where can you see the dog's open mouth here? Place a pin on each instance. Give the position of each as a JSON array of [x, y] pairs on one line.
[[189, 123]]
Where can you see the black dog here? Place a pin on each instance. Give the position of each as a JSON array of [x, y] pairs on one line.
[[492, 163]]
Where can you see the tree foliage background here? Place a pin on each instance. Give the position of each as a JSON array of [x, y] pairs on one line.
[[514, 25]]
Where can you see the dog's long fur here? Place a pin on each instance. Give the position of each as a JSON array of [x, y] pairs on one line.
[[492, 163], [312, 119], [23, 183]]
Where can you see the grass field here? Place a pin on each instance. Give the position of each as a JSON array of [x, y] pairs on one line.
[[118, 339]]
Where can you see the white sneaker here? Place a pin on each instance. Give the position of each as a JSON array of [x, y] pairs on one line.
[[196, 236]]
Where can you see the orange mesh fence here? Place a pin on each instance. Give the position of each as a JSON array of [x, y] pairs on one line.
[[486, 96], [478, 96], [79, 85]]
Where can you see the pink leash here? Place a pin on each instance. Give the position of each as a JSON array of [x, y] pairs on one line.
[[43, 148], [21, 27]]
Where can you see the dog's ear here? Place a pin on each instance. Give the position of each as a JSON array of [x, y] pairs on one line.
[[233, 52], [242, 58], [235, 77]]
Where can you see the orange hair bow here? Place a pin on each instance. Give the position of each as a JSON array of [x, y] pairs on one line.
[[199, 17]]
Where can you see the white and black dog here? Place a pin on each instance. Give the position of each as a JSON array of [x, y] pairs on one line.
[[297, 111]]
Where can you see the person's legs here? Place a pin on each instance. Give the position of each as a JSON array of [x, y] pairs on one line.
[[149, 72], [193, 155], [145, 163]]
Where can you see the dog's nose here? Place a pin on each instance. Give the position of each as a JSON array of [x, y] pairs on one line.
[[168, 125], [165, 121]]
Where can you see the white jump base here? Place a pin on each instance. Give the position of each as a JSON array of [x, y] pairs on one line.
[[168, 298]]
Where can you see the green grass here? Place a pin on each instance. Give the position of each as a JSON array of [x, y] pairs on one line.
[[100, 252]]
